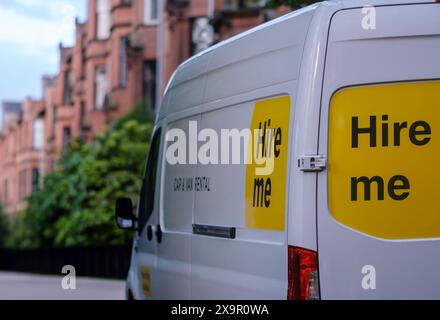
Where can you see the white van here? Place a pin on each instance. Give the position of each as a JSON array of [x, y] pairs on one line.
[[351, 92]]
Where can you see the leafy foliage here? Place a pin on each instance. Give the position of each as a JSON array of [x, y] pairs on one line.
[[295, 4], [76, 205], [4, 227]]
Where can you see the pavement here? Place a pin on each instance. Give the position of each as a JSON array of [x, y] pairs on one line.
[[21, 286]]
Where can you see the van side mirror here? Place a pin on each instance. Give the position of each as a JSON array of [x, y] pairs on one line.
[[125, 218]]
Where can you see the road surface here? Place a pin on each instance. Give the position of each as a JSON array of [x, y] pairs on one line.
[[20, 286]]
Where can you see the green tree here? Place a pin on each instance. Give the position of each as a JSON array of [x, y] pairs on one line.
[[76, 204], [4, 227], [295, 4], [19, 236]]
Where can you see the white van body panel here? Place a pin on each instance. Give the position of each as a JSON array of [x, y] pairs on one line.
[[305, 55], [402, 49], [254, 264], [302, 190]]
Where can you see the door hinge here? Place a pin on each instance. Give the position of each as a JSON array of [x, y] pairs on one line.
[[312, 163]]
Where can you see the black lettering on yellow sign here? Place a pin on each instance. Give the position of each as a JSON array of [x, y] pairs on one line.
[[268, 145], [398, 182], [266, 168], [418, 128], [262, 192], [398, 187]]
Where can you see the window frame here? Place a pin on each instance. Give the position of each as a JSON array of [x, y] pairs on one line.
[[148, 16], [103, 19], [67, 137], [149, 86], [38, 133], [36, 175], [101, 71], [123, 62], [68, 88]]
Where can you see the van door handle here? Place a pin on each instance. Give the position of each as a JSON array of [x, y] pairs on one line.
[[150, 232], [159, 234], [312, 163]]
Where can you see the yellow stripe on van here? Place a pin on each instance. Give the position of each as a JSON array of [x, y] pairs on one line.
[[266, 174], [384, 150]]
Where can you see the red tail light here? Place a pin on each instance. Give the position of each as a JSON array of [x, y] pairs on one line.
[[303, 275]]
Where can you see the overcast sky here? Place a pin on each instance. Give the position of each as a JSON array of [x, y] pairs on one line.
[[30, 31]]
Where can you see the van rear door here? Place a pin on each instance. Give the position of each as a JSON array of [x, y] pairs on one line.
[[378, 203]]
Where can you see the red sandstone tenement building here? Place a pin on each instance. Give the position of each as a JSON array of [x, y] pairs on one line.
[[123, 54]]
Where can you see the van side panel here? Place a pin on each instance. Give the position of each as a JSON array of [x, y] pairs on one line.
[[252, 265], [250, 78], [259, 59]]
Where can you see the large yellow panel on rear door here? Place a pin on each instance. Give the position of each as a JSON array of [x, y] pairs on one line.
[[384, 151]]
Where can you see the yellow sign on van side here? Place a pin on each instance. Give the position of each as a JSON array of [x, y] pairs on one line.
[[146, 281], [266, 173], [384, 149]]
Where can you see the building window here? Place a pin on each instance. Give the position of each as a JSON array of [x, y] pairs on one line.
[[151, 11], [67, 137], [102, 19], [100, 88], [38, 133], [22, 184], [68, 88], [82, 116], [123, 62], [149, 83], [83, 56], [35, 180], [54, 121], [5, 192], [83, 121]]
